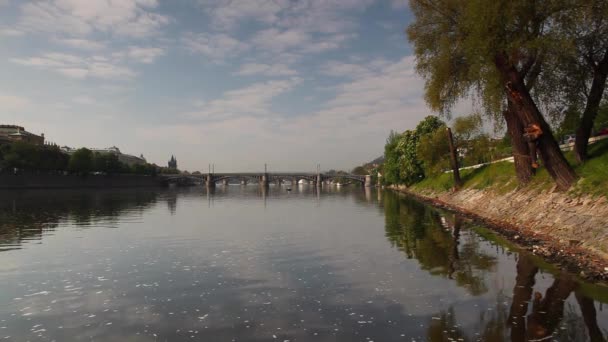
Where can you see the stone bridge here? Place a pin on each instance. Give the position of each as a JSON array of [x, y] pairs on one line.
[[264, 179]]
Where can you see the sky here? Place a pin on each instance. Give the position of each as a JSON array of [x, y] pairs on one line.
[[236, 83]]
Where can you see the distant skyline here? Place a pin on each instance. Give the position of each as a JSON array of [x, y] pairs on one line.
[[234, 83]]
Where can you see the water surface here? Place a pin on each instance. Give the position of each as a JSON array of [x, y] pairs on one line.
[[242, 264]]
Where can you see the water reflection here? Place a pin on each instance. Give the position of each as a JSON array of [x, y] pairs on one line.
[[28, 215], [433, 240], [251, 264], [432, 237]]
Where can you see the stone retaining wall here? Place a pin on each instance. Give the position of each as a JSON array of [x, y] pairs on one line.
[[580, 221]]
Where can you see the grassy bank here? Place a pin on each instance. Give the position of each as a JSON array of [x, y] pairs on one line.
[[501, 178]]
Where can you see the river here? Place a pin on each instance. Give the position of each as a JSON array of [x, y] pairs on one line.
[[243, 264]]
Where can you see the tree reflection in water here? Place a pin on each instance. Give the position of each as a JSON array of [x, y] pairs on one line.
[[435, 240], [28, 215]]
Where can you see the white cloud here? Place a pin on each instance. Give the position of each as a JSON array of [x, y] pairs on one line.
[[265, 69], [78, 67], [82, 44], [145, 54], [328, 16], [298, 41], [353, 70], [77, 18], [84, 100], [12, 102], [280, 40], [227, 14], [379, 96], [253, 100], [215, 46], [10, 32]]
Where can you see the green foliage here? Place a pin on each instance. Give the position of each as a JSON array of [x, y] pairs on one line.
[[46, 158], [391, 160], [429, 125], [360, 170], [81, 161], [601, 121], [569, 124], [594, 173], [26, 156], [168, 171], [478, 150], [401, 162], [501, 177], [410, 167], [466, 128], [434, 152], [108, 163]]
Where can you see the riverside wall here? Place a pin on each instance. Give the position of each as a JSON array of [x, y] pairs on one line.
[[56, 181], [569, 230]]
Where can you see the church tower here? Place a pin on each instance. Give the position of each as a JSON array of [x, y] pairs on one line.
[[172, 163]]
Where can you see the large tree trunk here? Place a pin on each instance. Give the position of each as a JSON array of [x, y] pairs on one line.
[[590, 317], [548, 312], [522, 293], [593, 103], [521, 152], [551, 155]]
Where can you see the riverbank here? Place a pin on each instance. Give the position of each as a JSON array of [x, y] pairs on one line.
[[568, 230], [57, 181]]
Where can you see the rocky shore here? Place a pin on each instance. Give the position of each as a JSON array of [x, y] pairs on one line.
[[569, 231]]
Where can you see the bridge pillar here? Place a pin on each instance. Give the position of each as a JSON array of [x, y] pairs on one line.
[[265, 180], [243, 181], [209, 181], [368, 181], [225, 182], [319, 181]]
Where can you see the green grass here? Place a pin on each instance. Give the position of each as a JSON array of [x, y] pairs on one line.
[[594, 173], [500, 177]]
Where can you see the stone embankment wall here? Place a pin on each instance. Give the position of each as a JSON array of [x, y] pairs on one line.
[[570, 230], [50, 181]]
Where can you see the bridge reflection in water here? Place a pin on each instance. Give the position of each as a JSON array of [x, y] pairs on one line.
[[429, 274]]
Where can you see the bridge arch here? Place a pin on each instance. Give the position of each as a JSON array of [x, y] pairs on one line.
[[239, 177], [356, 178], [296, 178]]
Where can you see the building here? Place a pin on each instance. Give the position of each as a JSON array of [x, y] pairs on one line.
[[11, 133], [123, 158], [172, 163]]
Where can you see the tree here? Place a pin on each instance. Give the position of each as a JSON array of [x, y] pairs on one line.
[[401, 162], [433, 151], [391, 159], [585, 68], [410, 167], [81, 161], [360, 170], [466, 128], [490, 49]]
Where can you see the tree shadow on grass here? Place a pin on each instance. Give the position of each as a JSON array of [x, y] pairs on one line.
[[598, 149], [470, 174]]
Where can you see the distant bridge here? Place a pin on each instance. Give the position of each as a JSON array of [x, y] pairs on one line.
[[265, 178]]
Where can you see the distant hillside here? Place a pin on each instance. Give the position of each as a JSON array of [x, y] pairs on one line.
[[378, 161], [367, 167]]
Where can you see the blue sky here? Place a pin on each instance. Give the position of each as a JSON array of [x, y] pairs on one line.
[[238, 83]]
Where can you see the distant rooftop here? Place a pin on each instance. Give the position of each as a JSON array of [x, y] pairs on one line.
[[13, 126]]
